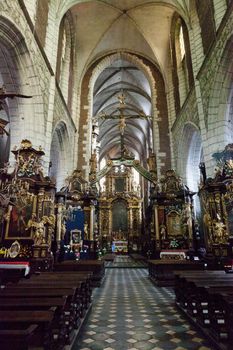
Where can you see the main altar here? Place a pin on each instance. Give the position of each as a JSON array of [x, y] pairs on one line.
[[120, 216]]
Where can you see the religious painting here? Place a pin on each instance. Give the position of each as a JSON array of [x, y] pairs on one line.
[[14, 249], [75, 236], [18, 217], [174, 224], [47, 207], [119, 216], [120, 184]]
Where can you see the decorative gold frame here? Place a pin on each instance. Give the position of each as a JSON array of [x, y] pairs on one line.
[[14, 249], [77, 234], [174, 224], [7, 224]]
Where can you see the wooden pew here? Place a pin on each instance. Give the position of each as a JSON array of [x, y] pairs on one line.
[[207, 298], [161, 271], [15, 319], [17, 339], [83, 295], [84, 277], [95, 266], [72, 313], [58, 305]]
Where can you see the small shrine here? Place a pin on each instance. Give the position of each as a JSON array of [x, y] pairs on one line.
[[172, 216]]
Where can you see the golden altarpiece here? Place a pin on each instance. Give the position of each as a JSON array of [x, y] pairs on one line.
[[216, 195], [172, 219], [27, 209], [120, 214]]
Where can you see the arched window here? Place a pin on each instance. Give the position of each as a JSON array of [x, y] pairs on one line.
[[65, 58], [181, 58], [181, 63]]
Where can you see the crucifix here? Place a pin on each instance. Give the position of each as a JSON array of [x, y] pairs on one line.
[[122, 118], [3, 96], [122, 106]]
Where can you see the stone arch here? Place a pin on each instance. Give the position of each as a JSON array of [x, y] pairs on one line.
[[220, 108], [60, 154], [26, 116], [88, 85], [190, 152]]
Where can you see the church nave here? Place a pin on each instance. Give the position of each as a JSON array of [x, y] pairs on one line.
[[129, 312]]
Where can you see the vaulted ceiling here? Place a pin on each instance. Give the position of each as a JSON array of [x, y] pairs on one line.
[[141, 27], [122, 77]]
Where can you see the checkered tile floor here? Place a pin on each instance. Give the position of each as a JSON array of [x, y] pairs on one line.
[[125, 262], [129, 312]]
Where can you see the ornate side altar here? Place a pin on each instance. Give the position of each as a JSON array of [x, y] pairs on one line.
[[28, 208], [172, 214], [78, 228], [216, 196]]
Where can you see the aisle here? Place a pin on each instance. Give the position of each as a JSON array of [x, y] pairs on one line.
[[129, 312], [124, 261]]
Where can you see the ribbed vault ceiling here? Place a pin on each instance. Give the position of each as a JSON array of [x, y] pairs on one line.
[[122, 77]]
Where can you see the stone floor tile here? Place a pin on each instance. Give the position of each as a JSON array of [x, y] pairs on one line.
[[130, 313]]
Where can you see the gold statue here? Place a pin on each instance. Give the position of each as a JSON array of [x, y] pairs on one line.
[[39, 234], [220, 234], [85, 231]]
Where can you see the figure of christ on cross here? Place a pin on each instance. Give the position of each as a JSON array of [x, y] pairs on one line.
[[122, 125], [122, 118]]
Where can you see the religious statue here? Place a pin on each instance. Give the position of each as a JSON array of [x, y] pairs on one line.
[[49, 223], [63, 230], [122, 125], [151, 161], [208, 227], [203, 172], [85, 231], [39, 234], [93, 162], [219, 228], [163, 232]]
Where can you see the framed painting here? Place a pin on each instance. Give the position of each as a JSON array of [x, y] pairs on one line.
[[75, 236], [174, 224], [18, 217]]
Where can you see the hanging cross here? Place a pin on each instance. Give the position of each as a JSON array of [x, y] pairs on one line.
[[122, 106], [122, 120]]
